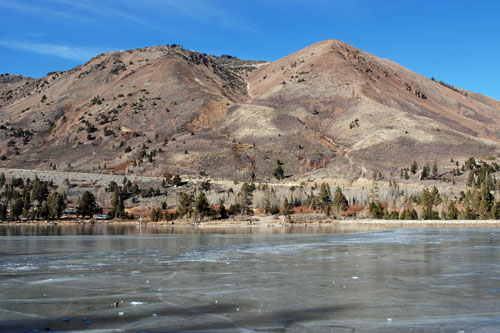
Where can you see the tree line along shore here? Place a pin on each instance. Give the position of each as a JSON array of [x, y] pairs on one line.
[[175, 199]]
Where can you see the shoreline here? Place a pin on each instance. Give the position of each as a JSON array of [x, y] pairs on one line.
[[256, 222]]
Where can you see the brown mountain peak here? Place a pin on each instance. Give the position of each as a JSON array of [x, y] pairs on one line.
[[328, 109]]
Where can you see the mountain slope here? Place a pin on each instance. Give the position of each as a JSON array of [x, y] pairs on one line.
[[379, 112], [130, 97], [329, 110]]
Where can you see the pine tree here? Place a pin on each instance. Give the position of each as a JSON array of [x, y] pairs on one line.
[[245, 198], [468, 213], [426, 199], [286, 208], [3, 212], [45, 211], [201, 205], [87, 205], [185, 204], [267, 201], [452, 212], [278, 172], [156, 215], [16, 208], [394, 215], [376, 210], [413, 215], [222, 210], [414, 167], [495, 211], [325, 198], [26, 202], [486, 203], [436, 198], [470, 179], [374, 191], [470, 163], [425, 171], [117, 207], [430, 214], [434, 170], [340, 202], [56, 203]]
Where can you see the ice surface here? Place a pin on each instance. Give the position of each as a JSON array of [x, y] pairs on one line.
[[423, 279]]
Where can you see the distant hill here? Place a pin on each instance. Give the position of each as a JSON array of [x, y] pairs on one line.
[[327, 111]]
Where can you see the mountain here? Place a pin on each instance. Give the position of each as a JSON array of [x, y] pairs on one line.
[[329, 110]]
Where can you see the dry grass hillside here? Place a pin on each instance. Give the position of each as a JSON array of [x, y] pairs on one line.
[[327, 111], [379, 114]]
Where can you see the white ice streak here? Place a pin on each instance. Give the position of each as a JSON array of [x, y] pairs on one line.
[[206, 313], [24, 314]]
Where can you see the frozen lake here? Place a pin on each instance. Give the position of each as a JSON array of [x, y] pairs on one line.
[[265, 280]]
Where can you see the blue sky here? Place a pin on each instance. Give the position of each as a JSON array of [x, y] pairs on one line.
[[454, 41]]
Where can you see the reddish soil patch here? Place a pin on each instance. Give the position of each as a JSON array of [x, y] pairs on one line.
[[354, 210], [121, 167]]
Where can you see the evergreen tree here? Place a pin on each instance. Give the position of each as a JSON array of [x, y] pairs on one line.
[[429, 214], [278, 172], [470, 163], [117, 206], [340, 202], [426, 199], [414, 167], [87, 206], [26, 202], [16, 208], [3, 212], [470, 179], [267, 201], [39, 190], [408, 214], [435, 197], [486, 203], [475, 202], [495, 211], [452, 212], [286, 208], [434, 170], [245, 198], [56, 203], [176, 180], [394, 215], [425, 171], [45, 211], [185, 204], [490, 182], [222, 210], [325, 198], [468, 213], [156, 215], [201, 205], [376, 210]]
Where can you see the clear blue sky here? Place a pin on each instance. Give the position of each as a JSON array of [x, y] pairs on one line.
[[454, 41]]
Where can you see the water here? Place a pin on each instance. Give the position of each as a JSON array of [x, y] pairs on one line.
[[264, 280]]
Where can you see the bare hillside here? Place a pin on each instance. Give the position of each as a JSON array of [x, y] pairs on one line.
[[327, 111], [380, 114]]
